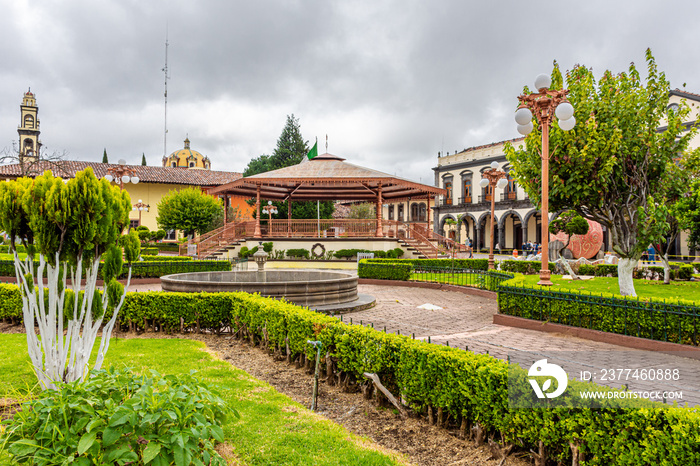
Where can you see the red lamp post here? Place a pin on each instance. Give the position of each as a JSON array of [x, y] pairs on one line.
[[494, 177], [544, 104], [269, 209], [121, 174]]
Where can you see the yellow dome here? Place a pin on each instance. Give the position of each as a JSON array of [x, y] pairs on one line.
[[187, 158]]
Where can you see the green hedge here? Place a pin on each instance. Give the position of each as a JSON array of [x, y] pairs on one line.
[[304, 253], [673, 320], [147, 269], [149, 258], [350, 253], [473, 264], [524, 267], [149, 251], [380, 271], [679, 270]]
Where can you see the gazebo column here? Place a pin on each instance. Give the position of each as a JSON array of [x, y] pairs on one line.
[[225, 209], [257, 233], [428, 213], [380, 232]]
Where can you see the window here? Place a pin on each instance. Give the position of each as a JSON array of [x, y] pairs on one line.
[[29, 121], [170, 235], [191, 164], [418, 212], [400, 213], [391, 212], [467, 189], [448, 196], [133, 224], [174, 165], [511, 189]]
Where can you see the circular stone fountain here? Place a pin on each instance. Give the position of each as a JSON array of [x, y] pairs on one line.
[[317, 289], [305, 287]]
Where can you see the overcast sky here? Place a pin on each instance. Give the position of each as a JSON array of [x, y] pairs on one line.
[[390, 82]]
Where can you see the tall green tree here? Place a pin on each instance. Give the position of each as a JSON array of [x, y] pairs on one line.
[[67, 228], [189, 210], [291, 149], [104, 156], [143, 159], [610, 168]]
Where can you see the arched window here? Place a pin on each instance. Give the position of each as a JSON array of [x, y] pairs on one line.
[[191, 164], [448, 187], [174, 164], [466, 189], [28, 121]]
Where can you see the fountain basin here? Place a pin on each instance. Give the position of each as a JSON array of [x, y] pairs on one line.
[[303, 287]]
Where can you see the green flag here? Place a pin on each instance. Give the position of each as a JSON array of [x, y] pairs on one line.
[[313, 152]]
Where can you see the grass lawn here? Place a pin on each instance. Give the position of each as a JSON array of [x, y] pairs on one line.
[[9, 257], [272, 429], [645, 288]]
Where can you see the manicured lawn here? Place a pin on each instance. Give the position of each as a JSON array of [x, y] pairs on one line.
[[272, 429], [645, 288]]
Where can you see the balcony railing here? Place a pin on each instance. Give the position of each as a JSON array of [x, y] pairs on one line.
[[465, 200], [485, 198], [510, 196], [445, 201]]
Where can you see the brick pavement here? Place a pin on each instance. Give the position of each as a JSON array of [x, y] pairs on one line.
[[466, 322]]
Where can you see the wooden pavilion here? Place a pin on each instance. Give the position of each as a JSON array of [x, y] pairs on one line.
[[326, 177]]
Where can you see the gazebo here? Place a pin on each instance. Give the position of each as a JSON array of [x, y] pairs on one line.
[[326, 177]]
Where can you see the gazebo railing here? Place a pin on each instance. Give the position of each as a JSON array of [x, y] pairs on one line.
[[323, 228], [446, 243]]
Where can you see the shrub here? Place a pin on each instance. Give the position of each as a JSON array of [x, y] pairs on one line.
[[586, 269], [524, 267], [473, 264], [117, 417], [298, 253], [603, 270], [380, 271], [243, 252], [672, 320], [166, 258], [151, 251]]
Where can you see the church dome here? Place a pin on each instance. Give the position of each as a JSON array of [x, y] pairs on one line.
[[187, 158]]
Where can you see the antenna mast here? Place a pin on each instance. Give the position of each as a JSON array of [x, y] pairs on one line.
[[167, 76]]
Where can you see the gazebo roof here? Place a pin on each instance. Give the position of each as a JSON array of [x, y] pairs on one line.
[[326, 177]]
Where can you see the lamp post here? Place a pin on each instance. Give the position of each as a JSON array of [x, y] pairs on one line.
[[121, 174], [545, 104], [140, 206], [494, 177], [270, 209]]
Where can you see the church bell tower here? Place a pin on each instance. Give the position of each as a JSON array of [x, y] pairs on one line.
[[28, 129]]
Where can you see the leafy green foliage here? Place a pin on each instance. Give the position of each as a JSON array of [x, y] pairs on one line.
[[525, 267], [300, 252], [365, 210], [384, 270], [350, 253], [244, 252], [189, 210], [473, 264], [667, 320], [118, 417]]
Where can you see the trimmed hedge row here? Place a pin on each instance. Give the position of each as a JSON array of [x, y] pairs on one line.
[[466, 386], [350, 253], [524, 267], [473, 264], [156, 258], [380, 271], [673, 320], [146, 269]]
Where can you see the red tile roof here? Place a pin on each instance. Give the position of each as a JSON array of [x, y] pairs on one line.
[[146, 174]]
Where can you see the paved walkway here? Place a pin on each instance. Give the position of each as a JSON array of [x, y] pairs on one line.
[[466, 322]]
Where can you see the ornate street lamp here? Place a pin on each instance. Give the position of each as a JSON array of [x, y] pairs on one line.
[[121, 174], [544, 104], [140, 206], [270, 209], [493, 177]]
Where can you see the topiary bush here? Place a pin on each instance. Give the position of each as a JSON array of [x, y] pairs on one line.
[[524, 267], [118, 417], [380, 271], [298, 253]]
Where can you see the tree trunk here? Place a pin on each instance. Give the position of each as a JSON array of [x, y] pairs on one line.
[[567, 267], [625, 278], [667, 268]]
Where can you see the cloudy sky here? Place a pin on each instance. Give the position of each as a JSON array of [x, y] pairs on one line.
[[390, 82]]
